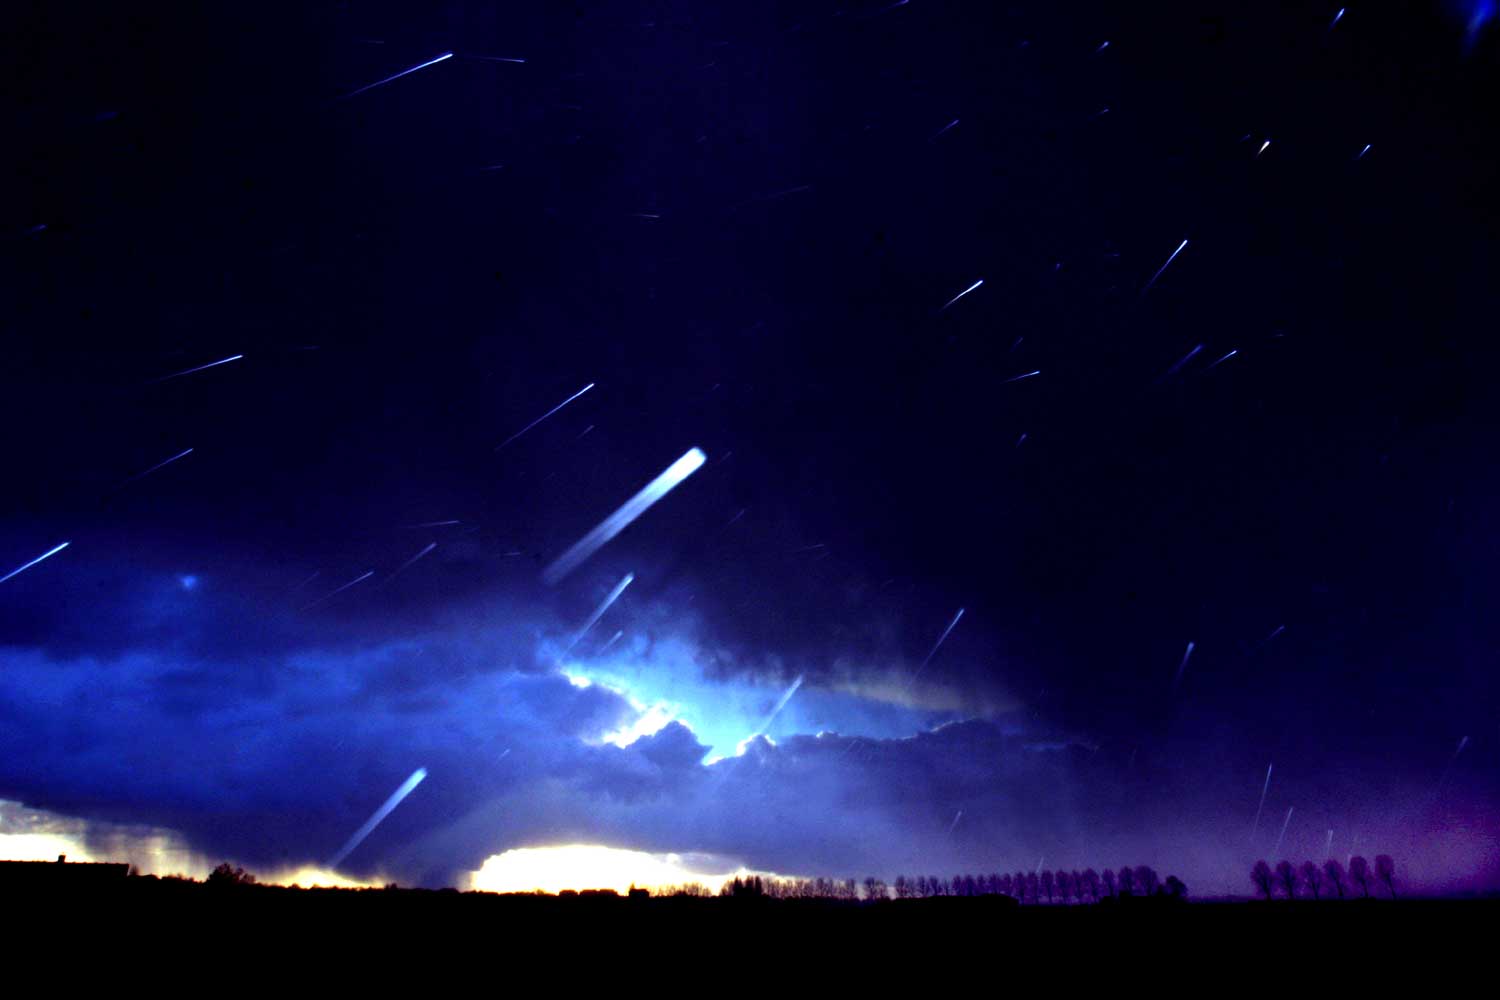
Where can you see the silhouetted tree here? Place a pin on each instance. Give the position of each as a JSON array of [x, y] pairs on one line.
[[1312, 878], [1287, 876], [1064, 886], [1033, 887], [1146, 880], [1359, 874], [902, 889], [1335, 873], [1175, 888], [1019, 884], [227, 874], [1005, 885], [1385, 870], [1091, 882], [1126, 881], [1047, 885], [1078, 887], [1264, 879], [1109, 882]]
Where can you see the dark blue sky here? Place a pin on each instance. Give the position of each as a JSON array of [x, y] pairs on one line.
[[741, 224]]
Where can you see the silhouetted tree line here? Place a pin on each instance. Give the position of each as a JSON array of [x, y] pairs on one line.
[[1330, 881], [1053, 887]]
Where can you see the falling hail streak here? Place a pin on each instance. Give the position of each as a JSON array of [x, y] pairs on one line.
[[961, 294], [1328, 847], [615, 523], [1258, 809], [45, 555], [1182, 666], [935, 647], [1222, 360], [940, 131], [404, 72], [612, 640], [1190, 355], [189, 371], [765, 726], [158, 465], [1020, 377], [408, 564], [544, 416], [1168, 264], [954, 824], [334, 593], [614, 595], [1284, 824], [385, 810]]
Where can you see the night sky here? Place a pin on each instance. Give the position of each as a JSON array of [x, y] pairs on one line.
[[749, 227]]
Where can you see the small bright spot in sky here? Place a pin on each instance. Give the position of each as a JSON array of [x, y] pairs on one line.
[[188, 581]]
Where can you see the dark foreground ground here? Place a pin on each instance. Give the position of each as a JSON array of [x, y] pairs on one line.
[[985, 940]]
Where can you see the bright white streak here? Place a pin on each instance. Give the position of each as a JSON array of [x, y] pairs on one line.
[[612, 640], [1284, 823], [779, 706], [617, 522], [1223, 359], [385, 810], [407, 565], [363, 576], [935, 647], [45, 555], [1336, 18], [961, 294], [956, 818], [614, 595], [1182, 666], [211, 364], [1020, 377], [1362, 152], [1264, 788], [1168, 264], [404, 72], [1263, 147], [544, 416]]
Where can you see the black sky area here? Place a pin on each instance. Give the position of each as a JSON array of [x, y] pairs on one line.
[[742, 222]]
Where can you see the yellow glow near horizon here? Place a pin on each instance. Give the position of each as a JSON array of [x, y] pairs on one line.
[[40, 847], [587, 866], [310, 877]]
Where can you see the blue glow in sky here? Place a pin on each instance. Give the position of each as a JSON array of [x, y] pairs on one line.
[[667, 685]]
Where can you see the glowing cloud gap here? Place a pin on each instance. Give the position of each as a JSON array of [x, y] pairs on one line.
[[617, 522], [614, 595], [380, 814], [544, 416], [45, 555], [404, 72]]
